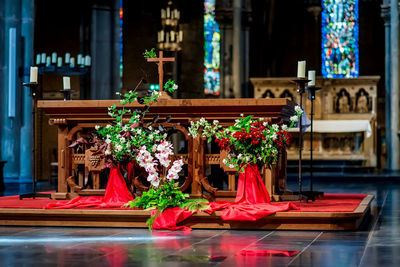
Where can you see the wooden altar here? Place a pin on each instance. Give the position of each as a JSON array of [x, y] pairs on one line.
[[75, 118]]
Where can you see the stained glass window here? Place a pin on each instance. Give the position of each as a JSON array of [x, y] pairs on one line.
[[121, 24], [340, 55], [211, 49]]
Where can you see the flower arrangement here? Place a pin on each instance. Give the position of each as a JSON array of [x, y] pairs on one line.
[[249, 140], [129, 139]]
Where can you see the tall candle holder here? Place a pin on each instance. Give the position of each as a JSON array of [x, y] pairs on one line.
[[67, 94], [301, 86], [311, 96], [34, 94]]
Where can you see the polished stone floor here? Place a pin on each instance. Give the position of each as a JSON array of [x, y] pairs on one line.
[[377, 244]]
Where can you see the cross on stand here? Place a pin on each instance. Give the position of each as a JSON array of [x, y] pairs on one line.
[[160, 60]]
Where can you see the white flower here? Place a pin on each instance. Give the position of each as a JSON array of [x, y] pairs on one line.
[[110, 114], [294, 118], [108, 126], [151, 137], [298, 109], [231, 166], [107, 152], [241, 115], [108, 141], [118, 148], [284, 127], [275, 127], [97, 127], [150, 128], [175, 87], [139, 131], [224, 161], [239, 156], [122, 139], [125, 128], [215, 122], [274, 136]]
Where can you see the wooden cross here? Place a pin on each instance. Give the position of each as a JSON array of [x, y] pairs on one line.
[[160, 59]]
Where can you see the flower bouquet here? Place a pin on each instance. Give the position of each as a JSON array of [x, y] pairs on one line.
[[249, 143]]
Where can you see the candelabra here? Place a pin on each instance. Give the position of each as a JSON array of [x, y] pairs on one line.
[[170, 37], [33, 87], [301, 84], [311, 96]]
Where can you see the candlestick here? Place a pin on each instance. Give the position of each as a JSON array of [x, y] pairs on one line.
[[311, 77], [67, 58], [180, 36], [67, 83], [54, 58], [72, 62], [59, 62], [88, 60], [79, 60], [38, 58], [43, 58], [33, 75], [301, 69], [48, 61]]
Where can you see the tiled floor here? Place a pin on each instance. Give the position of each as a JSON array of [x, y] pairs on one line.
[[377, 244]]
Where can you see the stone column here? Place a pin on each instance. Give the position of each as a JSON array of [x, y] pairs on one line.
[[237, 64], [385, 13], [394, 94], [105, 80], [27, 31], [10, 110]]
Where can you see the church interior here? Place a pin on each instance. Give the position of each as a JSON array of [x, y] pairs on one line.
[[206, 132]]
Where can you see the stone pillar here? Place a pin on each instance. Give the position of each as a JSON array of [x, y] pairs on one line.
[[105, 80], [27, 30], [237, 63], [385, 13], [10, 110], [394, 94]]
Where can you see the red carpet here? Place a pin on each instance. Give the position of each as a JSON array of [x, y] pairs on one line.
[[329, 203]]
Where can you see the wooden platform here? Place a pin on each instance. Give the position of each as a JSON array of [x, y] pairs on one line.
[[137, 219]]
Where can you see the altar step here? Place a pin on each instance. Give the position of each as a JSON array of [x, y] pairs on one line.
[[332, 168]]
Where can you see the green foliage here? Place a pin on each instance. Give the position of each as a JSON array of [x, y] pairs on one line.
[[166, 196], [149, 54], [170, 86]]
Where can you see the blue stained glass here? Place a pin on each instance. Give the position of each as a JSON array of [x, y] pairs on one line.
[[212, 37], [340, 54]]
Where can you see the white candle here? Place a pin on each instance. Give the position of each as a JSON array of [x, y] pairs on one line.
[[168, 13], [67, 58], [43, 58], [79, 60], [172, 36], [162, 36], [34, 75], [38, 58], [54, 58], [301, 69], [180, 36], [72, 62], [163, 13], [59, 62], [167, 37], [178, 16], [48, 61], [67, 83], [88, 60], [311, 77]]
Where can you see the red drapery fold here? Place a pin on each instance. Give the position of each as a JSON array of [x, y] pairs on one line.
[[116, 195], [252, 203]]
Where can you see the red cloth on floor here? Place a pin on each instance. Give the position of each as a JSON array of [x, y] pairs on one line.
[[116, 195], [252, 203], [169, 219], [252, 199]]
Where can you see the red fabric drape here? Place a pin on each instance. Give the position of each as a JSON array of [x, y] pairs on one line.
[[116, 195], [252, 203]]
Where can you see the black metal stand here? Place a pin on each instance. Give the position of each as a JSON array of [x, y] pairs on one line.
[[33, 92], [67, 94], [311, 96]]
